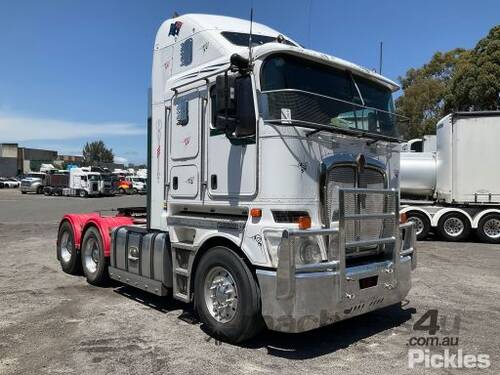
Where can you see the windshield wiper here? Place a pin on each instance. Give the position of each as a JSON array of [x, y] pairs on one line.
[[333, 129]]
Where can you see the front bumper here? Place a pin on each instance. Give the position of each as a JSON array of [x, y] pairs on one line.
[[28, 189], [301, 298]]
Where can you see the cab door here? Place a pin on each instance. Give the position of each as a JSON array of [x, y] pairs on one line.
[[185, 144], [231, 163]]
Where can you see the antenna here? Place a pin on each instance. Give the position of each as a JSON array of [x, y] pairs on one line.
[[250, 38], [380, 59]]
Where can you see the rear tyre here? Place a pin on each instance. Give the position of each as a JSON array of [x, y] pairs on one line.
[[422, 224], [454, 226], [94, 264], [488, 229], [227, 297], [121, 191], [66, 251]]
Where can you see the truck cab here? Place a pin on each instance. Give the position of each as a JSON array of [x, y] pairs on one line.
[[273, 184], [32, 183]]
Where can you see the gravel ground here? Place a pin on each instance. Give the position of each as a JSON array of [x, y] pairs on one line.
[[51, 322]]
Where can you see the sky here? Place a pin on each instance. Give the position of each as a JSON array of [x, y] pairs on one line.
[[73, 71]]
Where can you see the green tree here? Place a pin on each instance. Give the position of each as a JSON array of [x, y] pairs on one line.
[[424, 91], [457, 80], [476, 82], [95, 152]]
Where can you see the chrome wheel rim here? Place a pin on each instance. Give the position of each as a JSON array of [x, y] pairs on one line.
[[91, 255], [66, 247], [221, 294], [491, 228], [419, 224], [453, 226]]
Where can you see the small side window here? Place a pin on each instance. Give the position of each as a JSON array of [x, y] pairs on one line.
[[182, 113], [187, 52], [213, 105]]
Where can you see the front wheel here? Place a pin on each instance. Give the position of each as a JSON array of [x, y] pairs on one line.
[[82, 194], [227, 297], [39, 190], [94, 264], [488, 229]]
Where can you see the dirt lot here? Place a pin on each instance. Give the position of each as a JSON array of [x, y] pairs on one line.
[[51, 322]]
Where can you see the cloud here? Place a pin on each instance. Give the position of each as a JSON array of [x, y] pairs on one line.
[[18, 128], [120, 160]]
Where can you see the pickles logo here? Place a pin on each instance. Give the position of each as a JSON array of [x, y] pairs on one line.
[[439, 348]]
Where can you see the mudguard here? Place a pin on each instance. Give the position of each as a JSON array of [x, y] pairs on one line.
[[80, 222]]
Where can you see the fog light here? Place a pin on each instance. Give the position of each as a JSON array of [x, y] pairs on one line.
[[308, 252]]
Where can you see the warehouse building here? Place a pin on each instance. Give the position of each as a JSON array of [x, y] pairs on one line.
[[15, 160]]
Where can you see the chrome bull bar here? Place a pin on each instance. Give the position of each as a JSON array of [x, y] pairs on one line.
[[402, 237]]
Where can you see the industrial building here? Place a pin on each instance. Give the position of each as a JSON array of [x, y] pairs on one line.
[[15, 160]]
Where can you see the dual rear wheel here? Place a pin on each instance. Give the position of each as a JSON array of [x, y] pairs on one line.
[[90, 258], [226, 293]]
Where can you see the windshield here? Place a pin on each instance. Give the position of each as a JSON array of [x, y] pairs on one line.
[[94, 177], [301, 92]]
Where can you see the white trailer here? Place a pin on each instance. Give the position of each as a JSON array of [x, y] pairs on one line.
[[455, 188], [273, 185]]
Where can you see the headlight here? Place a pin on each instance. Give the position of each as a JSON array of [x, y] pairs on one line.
[[307, 251]]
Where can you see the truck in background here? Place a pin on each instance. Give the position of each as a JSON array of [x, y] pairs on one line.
[[273, 186], [138, 184], [55, 182], [83, 183], [452, 185], [32, 183]]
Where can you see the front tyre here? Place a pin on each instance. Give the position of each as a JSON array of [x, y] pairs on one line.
[[66, 251], [227, 297], [94, 264], [422, 224]]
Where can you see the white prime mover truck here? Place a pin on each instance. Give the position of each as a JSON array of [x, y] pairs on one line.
[[451, 183], [273, 188]]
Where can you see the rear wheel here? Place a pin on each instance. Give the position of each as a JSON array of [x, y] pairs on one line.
[[94, 264], [227, 297], [488, 229], [66, 251], [121, 190], [422, 224], [454, 226]]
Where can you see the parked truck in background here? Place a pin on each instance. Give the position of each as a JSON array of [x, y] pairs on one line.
[[139, 184], [452, 185], [55, 182], [272, 186], [32, 183], [83, 183]]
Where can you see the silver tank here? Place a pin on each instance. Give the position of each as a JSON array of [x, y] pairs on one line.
[[418, 173]]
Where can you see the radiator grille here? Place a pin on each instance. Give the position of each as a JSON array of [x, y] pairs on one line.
[[357, 203]]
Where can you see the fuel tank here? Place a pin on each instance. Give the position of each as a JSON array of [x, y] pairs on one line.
[[418, 174]]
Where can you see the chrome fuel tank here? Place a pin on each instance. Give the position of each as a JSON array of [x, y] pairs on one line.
[[418, 173]]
